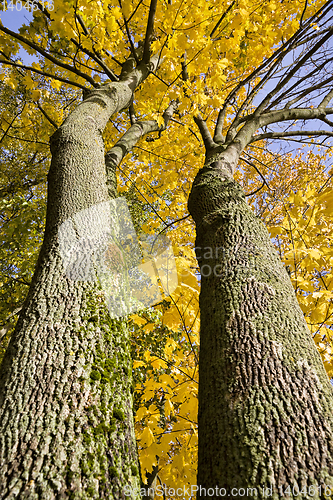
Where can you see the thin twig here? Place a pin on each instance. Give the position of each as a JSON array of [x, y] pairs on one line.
[[47, 116], [133, 51], [222, 17], [303, 13]]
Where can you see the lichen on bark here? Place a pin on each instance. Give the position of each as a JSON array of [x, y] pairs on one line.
[[264, 397], [66, 422]]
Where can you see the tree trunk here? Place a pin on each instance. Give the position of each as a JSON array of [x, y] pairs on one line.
[[66, 423], [265, 401]]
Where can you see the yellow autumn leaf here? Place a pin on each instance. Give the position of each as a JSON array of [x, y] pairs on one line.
[[138, 320], [35, 94], [168, 408], [147, 437]]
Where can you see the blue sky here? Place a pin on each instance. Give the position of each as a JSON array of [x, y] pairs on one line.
[[13, 20]]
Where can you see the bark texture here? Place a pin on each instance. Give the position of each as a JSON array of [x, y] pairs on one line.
[[66, 423], [265, 401]]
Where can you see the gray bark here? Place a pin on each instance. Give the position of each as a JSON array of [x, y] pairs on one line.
[[265, 401], [66, 423]]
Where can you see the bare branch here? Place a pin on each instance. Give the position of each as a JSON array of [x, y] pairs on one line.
[[246, 134], [303, 13], [327, 98], [274, 60], [293, 114], [299, 82], [325, 120], [294, 69], [149, 32], [281, 135]]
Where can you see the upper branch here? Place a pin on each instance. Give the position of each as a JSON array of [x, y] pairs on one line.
[[294, 69], [204, 131], [218, 137], [133, 51], [43, 73], [149, 32], [48, 56], [328, 97], [117, 153], [225, 13], [281, 135], [271, 65]]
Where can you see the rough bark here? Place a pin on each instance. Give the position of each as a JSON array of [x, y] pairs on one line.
[[66, 423], [265, 401]]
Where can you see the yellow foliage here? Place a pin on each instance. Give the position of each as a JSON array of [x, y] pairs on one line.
[[296, 211]]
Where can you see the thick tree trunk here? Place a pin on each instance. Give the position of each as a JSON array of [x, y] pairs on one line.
[[66, 423], [265, 401]]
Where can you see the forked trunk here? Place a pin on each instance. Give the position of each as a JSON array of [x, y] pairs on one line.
[[265, 401]]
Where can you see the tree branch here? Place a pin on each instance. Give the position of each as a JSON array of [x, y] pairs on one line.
[[273, 61], [218, 137], [133, 51], [303, 13], [327, 98], [257, 170], [43, 73], [132, 116], [256, 190], [117, 153], [204, 131], [41, 51], [292, 72], [221, 18], [306, 91], [325, 120], [281, 135], [149, 31], [98, 59], [11, 124], [246, 134], [41, 8], [292, 114], [47, 116], [83, 26]]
